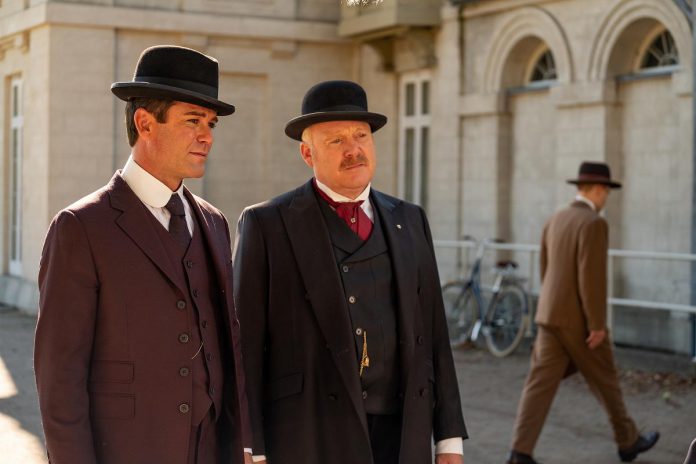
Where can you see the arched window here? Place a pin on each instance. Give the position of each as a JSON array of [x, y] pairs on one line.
[[544, 69], [661, 52]]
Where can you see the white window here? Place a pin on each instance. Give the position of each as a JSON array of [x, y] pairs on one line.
[[15, 176], [414, 137]]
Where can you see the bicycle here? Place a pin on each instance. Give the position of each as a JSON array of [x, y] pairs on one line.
[[504, 321]]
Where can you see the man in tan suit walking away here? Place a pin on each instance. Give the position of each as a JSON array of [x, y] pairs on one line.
[[571, 316]]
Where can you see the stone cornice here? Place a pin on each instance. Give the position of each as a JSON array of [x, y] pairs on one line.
[[497, 6], [169, 21]]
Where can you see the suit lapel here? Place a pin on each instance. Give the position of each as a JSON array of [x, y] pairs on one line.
[[310, 242], [138, 226], [207, 228], [398, 236]]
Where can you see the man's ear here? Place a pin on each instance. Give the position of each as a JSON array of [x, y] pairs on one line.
[[144, 122], [306, 153]]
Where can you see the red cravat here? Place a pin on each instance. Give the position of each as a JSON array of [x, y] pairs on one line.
[[351, 213]]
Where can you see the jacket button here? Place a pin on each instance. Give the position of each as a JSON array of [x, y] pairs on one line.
[[181, 304], [333, 397], [345, 268], [184, 408], [184, 371], [184, 338], [423, 391], [364, 394], [419, 340], [352, 299], [358, 331]]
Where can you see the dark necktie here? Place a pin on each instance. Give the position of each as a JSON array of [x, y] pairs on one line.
[[351, 212], [177, 222]]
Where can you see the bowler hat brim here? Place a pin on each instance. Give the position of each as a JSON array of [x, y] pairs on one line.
[[128, 90], [610, 183], [296, 126]]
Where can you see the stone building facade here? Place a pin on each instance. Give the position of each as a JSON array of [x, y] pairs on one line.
[[492, 105]]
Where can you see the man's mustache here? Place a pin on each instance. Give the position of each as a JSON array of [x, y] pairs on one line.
[[358, 159]]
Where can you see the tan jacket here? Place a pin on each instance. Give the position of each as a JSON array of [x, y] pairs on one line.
[[574, 247]]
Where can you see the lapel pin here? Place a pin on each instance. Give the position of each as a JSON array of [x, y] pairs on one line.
[[398, 226]]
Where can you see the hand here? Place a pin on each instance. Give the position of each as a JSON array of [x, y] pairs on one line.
[[248, 459], [449, 458], [596, 338]]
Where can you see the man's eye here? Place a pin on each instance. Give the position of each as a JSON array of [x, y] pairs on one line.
[[336, 141], [193, 121], [212, 125]]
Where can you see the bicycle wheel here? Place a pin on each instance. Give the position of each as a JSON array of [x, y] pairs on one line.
[[506, 320], [461, 310]]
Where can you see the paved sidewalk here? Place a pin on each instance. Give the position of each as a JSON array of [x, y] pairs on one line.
[[576, 431]]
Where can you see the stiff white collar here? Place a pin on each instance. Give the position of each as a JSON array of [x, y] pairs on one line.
[[587, 201], [147, 187], [338, 198]]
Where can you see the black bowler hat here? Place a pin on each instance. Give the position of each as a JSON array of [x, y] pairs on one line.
[[177, 73], [333, 101], [595, 173]]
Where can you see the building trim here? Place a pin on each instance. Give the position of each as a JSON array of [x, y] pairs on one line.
[[625, 13], [169, 22]]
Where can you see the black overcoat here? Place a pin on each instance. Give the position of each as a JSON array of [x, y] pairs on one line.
[[301, 368]]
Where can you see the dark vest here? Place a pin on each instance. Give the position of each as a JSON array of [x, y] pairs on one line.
[[366, 273], [194, 268]]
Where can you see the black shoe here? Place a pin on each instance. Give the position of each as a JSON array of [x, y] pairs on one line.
[[516, 457], [642, 444]]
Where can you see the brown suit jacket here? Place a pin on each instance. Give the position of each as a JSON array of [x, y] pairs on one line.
[[107, 350], [574, 247]]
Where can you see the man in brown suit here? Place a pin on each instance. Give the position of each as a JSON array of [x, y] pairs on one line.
[[571, 316], [137, 352]]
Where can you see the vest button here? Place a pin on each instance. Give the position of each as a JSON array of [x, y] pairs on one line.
[[204, 324], [345, 268], [189, 263], [195, 293], [352, 220], [419, 340], [333, 397], [352, 299], [184, 408], [211, 391], [184, 371], [184, 338], [181, 304], [209, 357], [358, 331], [364, 394]]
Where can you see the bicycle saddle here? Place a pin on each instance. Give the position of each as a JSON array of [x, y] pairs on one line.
[[507, 263]]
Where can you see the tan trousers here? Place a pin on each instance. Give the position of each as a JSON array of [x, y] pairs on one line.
[[557, 352]]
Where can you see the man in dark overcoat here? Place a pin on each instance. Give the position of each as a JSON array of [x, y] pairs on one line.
[[572, 320], [346, 350], [137, 352]]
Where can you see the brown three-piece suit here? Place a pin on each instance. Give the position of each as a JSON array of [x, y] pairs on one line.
[[136, 344], [573, 301]]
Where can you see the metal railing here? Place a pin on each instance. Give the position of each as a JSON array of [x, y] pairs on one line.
[[533, 275]]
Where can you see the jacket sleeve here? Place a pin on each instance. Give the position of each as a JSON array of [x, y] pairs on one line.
[[448, 421], [593, 246], [241, 402], [250, 293], [69, 289]]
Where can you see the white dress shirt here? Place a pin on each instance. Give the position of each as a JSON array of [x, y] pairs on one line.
[[153, 193], [587, 201]]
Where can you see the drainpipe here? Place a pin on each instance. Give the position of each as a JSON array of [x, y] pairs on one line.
[[687, 9]]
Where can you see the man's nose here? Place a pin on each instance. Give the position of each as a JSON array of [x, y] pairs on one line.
[[206, 134]]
